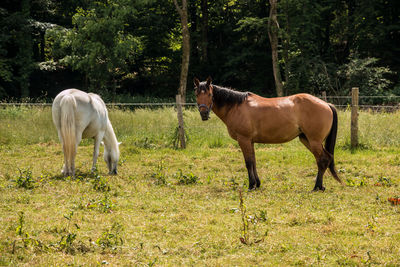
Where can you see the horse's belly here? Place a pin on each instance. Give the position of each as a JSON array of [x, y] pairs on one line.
[[276, 136], [90, 131], [92, 127]]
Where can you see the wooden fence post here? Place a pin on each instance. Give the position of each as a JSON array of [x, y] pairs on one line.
[[354, 117], [180, 121], [324, 96]]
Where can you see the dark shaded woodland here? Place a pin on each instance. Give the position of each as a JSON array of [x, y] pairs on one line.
[[134, 47]]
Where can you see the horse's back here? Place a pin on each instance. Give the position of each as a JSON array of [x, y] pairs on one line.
[[90, 111]]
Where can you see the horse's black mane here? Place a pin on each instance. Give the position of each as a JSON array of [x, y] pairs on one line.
[[224, 96]]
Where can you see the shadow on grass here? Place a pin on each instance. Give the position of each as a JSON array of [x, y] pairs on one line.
[[79, 175]]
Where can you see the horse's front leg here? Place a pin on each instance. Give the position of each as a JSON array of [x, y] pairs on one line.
[[96, 150], [247, 148]]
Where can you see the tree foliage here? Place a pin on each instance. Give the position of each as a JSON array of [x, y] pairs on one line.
[[135, 46]]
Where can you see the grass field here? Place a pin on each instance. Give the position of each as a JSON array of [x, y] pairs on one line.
[[169, 207]]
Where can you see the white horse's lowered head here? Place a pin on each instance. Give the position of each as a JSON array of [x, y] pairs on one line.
[[78, 115]]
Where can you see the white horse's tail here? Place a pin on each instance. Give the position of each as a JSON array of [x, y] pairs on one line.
[[68, 131]]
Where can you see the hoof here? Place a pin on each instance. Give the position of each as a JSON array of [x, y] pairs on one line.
[[251, 189], [316, 189]]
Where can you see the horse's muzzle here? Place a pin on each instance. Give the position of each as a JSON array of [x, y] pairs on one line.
[[205, 115]]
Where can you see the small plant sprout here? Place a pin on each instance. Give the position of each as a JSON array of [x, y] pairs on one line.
[[245, 225], [248, 220]]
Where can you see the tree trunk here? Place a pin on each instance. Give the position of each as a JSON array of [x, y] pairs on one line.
[[204, 30], [273, 28], [286, 47], [183, 13]]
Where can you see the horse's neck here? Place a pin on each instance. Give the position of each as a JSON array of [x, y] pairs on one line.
[[221, 112], [110, 140]]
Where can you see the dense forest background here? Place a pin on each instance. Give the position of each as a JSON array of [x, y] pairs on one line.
[[134, 47]]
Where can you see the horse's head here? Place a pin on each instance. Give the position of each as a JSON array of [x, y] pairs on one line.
[[111, 157], [204, 97]]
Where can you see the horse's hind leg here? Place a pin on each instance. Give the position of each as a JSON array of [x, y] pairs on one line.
[[322, 157], [247, 148], [323, 160], [69, 163]]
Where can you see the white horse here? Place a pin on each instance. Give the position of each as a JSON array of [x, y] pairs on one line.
[[78, 115]]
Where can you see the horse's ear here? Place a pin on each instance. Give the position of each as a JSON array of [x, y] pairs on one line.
[[196, 82], [209, 80]]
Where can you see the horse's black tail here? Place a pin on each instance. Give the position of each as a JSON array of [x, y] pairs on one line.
[[330, 143]]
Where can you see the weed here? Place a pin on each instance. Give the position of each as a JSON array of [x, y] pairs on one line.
[[175, 138], [360, 146], [210, 177], [106, 204], [263, 216], [159, 174], [132, 178], [185, 179], [145, 143], [25, 238], [384, 181], [250, 220], [25, 180], [233, 184], [111, 238], [132, 150], [19, 229], [245, 225], [100, 183], [371, 225], [66, 243], [356, 183]]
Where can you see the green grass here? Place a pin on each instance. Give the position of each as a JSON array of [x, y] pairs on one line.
[[170, 207]]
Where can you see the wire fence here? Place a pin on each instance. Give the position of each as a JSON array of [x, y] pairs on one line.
[[374, 103]]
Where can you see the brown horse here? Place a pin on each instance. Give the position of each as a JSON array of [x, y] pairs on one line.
[[254, 119]]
